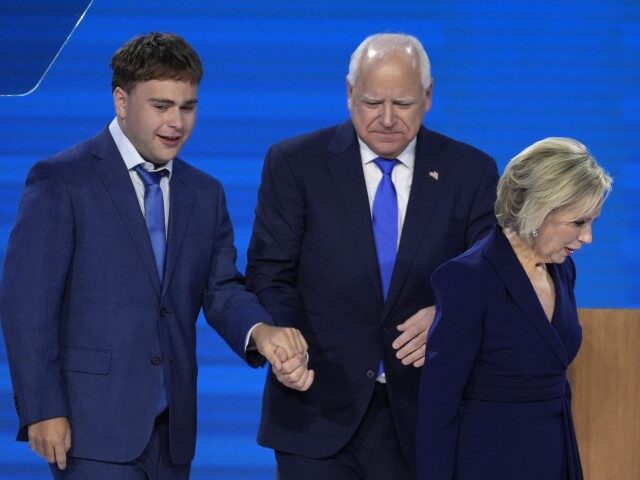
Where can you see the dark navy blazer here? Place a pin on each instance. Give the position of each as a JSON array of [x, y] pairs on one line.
[[87, 324], [313, 265], [494, 399]]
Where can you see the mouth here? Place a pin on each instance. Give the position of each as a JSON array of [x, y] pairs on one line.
[[569, 251], [389, 133], [170, 141]]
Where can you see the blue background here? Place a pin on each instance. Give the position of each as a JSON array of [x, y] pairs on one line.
[[506, 74]]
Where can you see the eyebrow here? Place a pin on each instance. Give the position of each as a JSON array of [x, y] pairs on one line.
[[166, 101], [366, 98]]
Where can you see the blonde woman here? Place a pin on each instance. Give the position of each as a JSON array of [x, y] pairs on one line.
[[494, 399]]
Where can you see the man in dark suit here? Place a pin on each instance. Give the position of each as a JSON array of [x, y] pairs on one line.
[[351, 222], [117, 246]]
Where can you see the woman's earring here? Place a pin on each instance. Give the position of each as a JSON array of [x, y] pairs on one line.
[[534, 233]]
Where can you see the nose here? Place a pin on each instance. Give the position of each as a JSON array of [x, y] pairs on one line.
[[175, 119], [585, 234], [388, 116]]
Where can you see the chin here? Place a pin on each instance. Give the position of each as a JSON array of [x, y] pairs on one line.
[[387, 152]]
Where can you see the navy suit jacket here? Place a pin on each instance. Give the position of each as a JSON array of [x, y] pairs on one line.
[[494, 400], [87, 324], [313, 265]]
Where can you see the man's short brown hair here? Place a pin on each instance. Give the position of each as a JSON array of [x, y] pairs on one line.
[[154, 56]]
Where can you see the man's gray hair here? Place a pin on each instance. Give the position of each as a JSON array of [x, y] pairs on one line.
[[376, 47]]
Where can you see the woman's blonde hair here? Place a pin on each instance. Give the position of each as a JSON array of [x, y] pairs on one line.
[[547, 176]]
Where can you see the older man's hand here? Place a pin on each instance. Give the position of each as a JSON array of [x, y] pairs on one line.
[[411, 343]]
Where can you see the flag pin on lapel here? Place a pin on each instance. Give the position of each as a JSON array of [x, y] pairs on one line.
[[434, 175]]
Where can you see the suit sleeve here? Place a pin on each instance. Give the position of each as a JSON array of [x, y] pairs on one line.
[[37, 263], [481, 215], [227, 305], [452, 346], [276, 240]]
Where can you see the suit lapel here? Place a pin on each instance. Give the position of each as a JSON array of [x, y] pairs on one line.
[[346, 170], [180, 206], [504, 261], [111, 170], [420, 209]]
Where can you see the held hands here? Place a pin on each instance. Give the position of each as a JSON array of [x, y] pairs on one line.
[[286, 350], [411, 343], [51, 439]]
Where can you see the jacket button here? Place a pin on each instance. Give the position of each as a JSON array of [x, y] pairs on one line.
[[164, 312], [371, 374], [155, 361]]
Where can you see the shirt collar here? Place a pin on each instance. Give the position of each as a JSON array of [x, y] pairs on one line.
[[407, 157], [129, 153]]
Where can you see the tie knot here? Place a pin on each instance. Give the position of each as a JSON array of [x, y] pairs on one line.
[[150, 178], [386, 164]]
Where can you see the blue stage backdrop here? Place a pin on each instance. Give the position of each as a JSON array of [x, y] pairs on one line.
[[506, 74]]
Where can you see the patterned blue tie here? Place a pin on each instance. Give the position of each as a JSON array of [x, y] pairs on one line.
[[385, 227], [154, 214], [385, 222], [154, 217]]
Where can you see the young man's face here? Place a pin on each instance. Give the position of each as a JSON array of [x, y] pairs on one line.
[[157, 117]]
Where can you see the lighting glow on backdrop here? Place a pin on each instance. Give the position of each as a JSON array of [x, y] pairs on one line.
[[506, 75]]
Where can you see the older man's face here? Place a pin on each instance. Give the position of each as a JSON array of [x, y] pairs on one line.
[[387, 104]]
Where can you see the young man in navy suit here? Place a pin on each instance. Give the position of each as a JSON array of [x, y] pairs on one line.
[[117, 246], [351, 222]]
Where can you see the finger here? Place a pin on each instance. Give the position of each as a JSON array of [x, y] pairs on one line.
[[49, 452], [294, 372], [301, 380], [414, 320], [414, 356], [290, 337], [298, 341], [309, 381], [411, 346], [67, 440], [422, 318], [293, 364], [419, 363], [403, 326], [284, 340], [281, 354], [407, 337], [61, 456], [273, 359], [38, 447]]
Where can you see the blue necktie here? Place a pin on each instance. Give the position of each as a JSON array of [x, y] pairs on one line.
[[385, 227], [154, 214], [154, 217], [385, 222]]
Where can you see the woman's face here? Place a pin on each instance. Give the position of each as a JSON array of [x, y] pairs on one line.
[[563, 232]]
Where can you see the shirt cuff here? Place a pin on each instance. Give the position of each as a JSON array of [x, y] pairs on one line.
[[247, 340]]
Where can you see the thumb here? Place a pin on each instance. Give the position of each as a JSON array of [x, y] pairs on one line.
[[281, 354], [272, 358]]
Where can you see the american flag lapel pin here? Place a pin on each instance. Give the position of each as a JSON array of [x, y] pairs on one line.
[[434, 175]]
